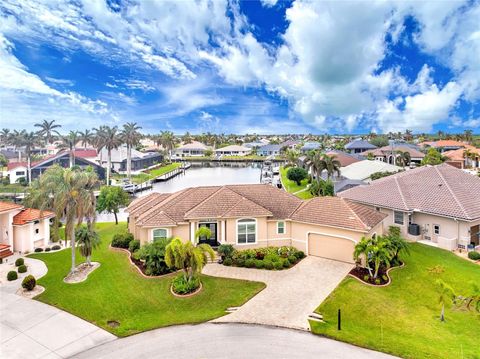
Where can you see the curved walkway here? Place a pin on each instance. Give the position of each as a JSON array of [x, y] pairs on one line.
[[227, 341]]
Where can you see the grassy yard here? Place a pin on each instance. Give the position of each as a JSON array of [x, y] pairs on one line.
[[116, 291], [13, 188], [403, 318], [164, 169], [292, 187]]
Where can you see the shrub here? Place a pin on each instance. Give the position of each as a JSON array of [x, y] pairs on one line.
[[297, 175], [29, 282], [225, 250], [300, 254], [272, 257], [385, 278], [259, 255], [154, 256], [228, 262], [134, 245], [22, 268], [19, 262], [474, 255], [366, 277], [250, 263], [12, 275], [268, 264], [38, 250], [56, 247], [182, 286], [377, 281], [278, 265], [286, 263], [122, 240], [292, 259], [259, 264], [240, 262], [47, 249]]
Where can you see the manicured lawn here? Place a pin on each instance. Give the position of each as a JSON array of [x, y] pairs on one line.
[[137, 178], [164, 169], [116, 291], [292, 187], [403, 318], [13, 188]]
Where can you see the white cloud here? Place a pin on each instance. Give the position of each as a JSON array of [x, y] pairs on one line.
[[269, 3]]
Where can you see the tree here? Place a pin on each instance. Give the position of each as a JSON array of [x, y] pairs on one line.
[[47, 129], [376, 251], [322, 188], [28, 140], [87, 137], [297, 174], [69, 142], [379, 141], [167, 141], [5, 136], [204, 232], [433, 157], [88, 240], [377, 175], [292, 157], [69, 193], [154, 256], [331, 165], [445, 296], [397, 244], [131, 137], [187, 257], [403, 158], [3, 161], [109, 138], [468, 135], [314, 163], [111, 198]]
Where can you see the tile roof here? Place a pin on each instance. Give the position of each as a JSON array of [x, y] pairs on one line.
[[387, 150], [233, 148], [440, 190], [444, 143], [458, 155], [344, 158], [86, 153], [28, 215], [338, 212], [362, 170], [8, 206], [359, 144]]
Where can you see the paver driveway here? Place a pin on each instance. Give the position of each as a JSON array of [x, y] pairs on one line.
[[290, 296]]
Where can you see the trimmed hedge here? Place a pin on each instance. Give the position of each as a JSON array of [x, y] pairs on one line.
[[134, 245], [38, 250], [122, 240], [12, 275], [474, 255], [22, 268], [29, 282], [277, 258], [56, 247], [19, 262]]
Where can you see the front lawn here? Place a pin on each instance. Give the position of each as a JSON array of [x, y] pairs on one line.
[[164, 169], [403, 318], [292, 187], [116, 292]]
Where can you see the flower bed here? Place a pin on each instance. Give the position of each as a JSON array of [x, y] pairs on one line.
[[382, 279], [276, 258]]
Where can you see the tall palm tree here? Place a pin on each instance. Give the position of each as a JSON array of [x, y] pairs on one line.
[[292, 157], [87, 138], [88, 240], [110, 139], [468, 135], [314, 163], [28, 140], [331, 165], [131, 137], [403, 158], [167, 140], [16, 140], [48, 129], [5, 136], [69, 193], [69, 142]]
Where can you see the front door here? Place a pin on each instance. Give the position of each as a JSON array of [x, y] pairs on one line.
[[213, 238]]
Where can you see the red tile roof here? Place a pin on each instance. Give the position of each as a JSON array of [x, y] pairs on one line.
[[345, 159], [29, 215], [88, 153], [8, 206]]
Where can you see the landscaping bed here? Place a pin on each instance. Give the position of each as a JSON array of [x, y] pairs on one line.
[[363, 275]]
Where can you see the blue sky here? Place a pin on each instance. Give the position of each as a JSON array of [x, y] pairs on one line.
[[242, 67]]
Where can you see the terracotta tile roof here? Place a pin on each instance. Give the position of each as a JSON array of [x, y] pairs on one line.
[[444, 143], [457, 155], [441, 190], [29, 215], [8, 206], [338, 212], [345, 159], [387, 150], [88, 153]]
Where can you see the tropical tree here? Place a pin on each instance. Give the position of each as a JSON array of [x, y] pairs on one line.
[[69, 193], [28, 140], [292, 157], [376, 251], [87, 240], [433, 157], [445, 296], [361, 252], [154, 256], [110, 139], [48, 129], [468, 135], [167, 140], [187, 257], [131, 137], [204, 232], [110, 200], [314, 163], [322, 188], [403, 158], [187, 138], [69, 142], [87, 137], [331, 165], [5, 136], [297, 174], [397, 244]]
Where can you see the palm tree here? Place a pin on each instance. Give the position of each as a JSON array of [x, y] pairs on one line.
[[87, 240], [69, 193], [184, 255], [47, 129], [468, 135], [131, 137], [69, 142], [380, 254], [445, 296], [167, 140], [187, 138], [331, 165], [292, 157], [109, 138], [361, 251], [87, 138], [28, 140], [5, 136], [314, 163], [403, 158]]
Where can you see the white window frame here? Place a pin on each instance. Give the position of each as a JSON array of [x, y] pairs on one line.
[[250, 221], [435, 227], [284, 229], [156, 229], [395, 219]]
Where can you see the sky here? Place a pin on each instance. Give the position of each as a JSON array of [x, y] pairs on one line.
[[266, 67]]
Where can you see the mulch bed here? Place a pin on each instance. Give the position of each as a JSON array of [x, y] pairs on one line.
[[360, 273], [81, 272]]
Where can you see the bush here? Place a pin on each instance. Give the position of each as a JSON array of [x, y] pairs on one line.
[[47, 249], [259, 255], [300, 255], [297, 174], [292, 259], [22, 268], [38, 250], [122, 240], [225, 250], [29, 282], [385, 278], [19, 262], [240, 262], [182, 286], [12, 275], [228, 262], [154, 256], [268, 264], [259, 264], [272, 257], [134, 245], [474, 255], [250, 263], [377, 281], [56, 247], [286, 263], [278, 265], [366, 277]]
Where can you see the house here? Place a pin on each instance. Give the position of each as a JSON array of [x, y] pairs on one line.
[[436, 204], [254, 144], [233, 150], [444, 145], [269, 150], [290, 144], [192, 149], [344, 158], [22, 229], [119, 159], [390, 154], [468, 157], [252, 216], [310, 146], [362, 170], [359, 146]]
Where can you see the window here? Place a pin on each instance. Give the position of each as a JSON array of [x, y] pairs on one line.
[[436, 229], [374, 236], [246, 231], [37, 231], [281, 227], [20, 173], [159, 233], [398, 217]]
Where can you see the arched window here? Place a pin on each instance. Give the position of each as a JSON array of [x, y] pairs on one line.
[[159, 233], [246, 231]]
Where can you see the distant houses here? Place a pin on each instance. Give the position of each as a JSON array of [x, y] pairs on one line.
[[140, 160], [233, 150], [192, 149], [310, 146], [359, 146], [390, 154], [269, 150]]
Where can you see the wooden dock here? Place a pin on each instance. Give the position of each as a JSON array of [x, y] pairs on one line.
[[172, 173]]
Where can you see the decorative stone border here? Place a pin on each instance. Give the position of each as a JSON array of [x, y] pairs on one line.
[[379, 285], [94, 265], [30, 294], [186, 295]]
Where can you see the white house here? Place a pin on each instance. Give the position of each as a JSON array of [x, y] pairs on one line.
[[233, 150], [193, 149], [362, 170]]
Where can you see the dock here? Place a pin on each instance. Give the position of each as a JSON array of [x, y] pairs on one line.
[[172, 173]]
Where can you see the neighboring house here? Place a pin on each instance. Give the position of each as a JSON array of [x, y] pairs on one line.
[[309, 146], [11, 155], [340, 185], [252, 216], [193, 149], [269, 150], [119, 159], [389, 154], [444, 145], [16, 170], [233, 150], [458, 158], [291, 144], [362, 170], [22, 229], [344, 158], [254, 144], [439, 204], [359, 146]]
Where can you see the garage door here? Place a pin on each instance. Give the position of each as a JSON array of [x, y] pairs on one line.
[[330, 247]]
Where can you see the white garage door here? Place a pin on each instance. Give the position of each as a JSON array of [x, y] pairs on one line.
[[331, 247]]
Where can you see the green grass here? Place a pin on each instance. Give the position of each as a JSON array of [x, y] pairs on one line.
[[403, 318], [136, 178], [164, 169], [13, 188], [116, 291], [293, 187]]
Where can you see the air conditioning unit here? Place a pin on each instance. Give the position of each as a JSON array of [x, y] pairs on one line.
[[414, 229]]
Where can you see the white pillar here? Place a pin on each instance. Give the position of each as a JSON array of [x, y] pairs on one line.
[[192, 232], [224, 238]]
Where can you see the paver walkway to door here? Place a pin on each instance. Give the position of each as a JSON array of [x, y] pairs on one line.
[[290, 296]]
